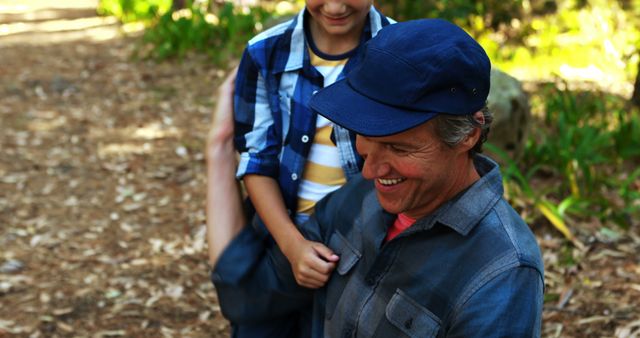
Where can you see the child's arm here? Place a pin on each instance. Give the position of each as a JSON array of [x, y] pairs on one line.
[[259, 152], [311, 262], [225, 217]]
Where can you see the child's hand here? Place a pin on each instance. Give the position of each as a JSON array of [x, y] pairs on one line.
[[312, 263]]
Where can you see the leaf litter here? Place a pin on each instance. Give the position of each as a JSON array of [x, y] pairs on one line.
[[101, 190]]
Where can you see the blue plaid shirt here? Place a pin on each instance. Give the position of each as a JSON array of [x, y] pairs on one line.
[[273, 123], [470, 269]]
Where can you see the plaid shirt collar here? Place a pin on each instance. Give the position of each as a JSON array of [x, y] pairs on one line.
[[297, 54]]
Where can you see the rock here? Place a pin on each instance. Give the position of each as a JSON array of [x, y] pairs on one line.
[[511, 114]]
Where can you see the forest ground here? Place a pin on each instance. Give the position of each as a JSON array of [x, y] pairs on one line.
[[102, 195]]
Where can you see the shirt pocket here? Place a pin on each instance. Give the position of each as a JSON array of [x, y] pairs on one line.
[[409, 319], [349, 256]]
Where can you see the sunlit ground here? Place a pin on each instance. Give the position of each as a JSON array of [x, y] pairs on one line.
[[56, 25], [25, 6], [62, 21]]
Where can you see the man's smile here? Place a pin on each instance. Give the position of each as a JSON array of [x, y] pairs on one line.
[[390, 181]]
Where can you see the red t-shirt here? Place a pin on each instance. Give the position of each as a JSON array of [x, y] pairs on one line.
[[402, 222]]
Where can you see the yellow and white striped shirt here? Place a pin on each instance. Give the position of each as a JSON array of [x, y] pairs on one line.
[[323, 171]]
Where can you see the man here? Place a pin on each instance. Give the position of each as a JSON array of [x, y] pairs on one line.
[[427, 245]]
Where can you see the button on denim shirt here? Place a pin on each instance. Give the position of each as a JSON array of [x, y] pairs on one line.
[[273, 121], [470, 269]]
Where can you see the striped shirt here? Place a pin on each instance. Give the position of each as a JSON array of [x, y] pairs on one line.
[[274, 126], [323, 171]]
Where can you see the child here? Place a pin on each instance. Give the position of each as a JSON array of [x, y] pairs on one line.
[[290, 157]]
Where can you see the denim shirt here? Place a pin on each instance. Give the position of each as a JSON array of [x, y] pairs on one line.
[[470, 269], [274, 126]]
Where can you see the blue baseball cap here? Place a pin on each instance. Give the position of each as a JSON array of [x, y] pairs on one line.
[[409, 73]]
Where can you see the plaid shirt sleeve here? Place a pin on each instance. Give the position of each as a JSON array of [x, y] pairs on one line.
[[255, 135]]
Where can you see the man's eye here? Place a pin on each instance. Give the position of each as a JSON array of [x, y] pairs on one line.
[[398, 149]]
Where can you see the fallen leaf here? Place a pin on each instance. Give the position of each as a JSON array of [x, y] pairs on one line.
[[110, 333], [64, 327], [63, 311]]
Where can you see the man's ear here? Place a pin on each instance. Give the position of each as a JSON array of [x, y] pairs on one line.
[[470, 141]]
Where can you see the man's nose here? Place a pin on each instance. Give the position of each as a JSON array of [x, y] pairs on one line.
[[375, 166]]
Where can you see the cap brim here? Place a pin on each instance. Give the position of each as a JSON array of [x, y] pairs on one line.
[[346, 107]]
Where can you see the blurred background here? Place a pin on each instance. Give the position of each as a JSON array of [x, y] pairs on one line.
[[105, 106]]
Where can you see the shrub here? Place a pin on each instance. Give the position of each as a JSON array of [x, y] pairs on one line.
[[221, 35]]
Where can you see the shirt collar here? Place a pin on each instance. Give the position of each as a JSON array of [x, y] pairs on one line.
[[294, 49], [465, 211]]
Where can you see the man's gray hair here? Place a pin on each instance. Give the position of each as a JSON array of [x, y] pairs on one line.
[[452, 129]]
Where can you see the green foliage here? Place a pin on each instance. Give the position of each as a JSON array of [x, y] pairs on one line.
[[629, 190], [222, 34], [218, 28], [572, 141], [491, 13], [592, 41], [134, 10], [626, 136], [578, 155]]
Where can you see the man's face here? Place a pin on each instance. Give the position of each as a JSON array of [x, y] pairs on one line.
[[339, 17], [414, 172]]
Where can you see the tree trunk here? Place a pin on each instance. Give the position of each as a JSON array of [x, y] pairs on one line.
[[635, 98], [177, 5]]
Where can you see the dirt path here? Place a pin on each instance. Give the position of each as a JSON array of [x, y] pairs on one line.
[[101, 195], [101, 177]]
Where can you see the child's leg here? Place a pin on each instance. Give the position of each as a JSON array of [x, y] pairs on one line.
[[225, 216]]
